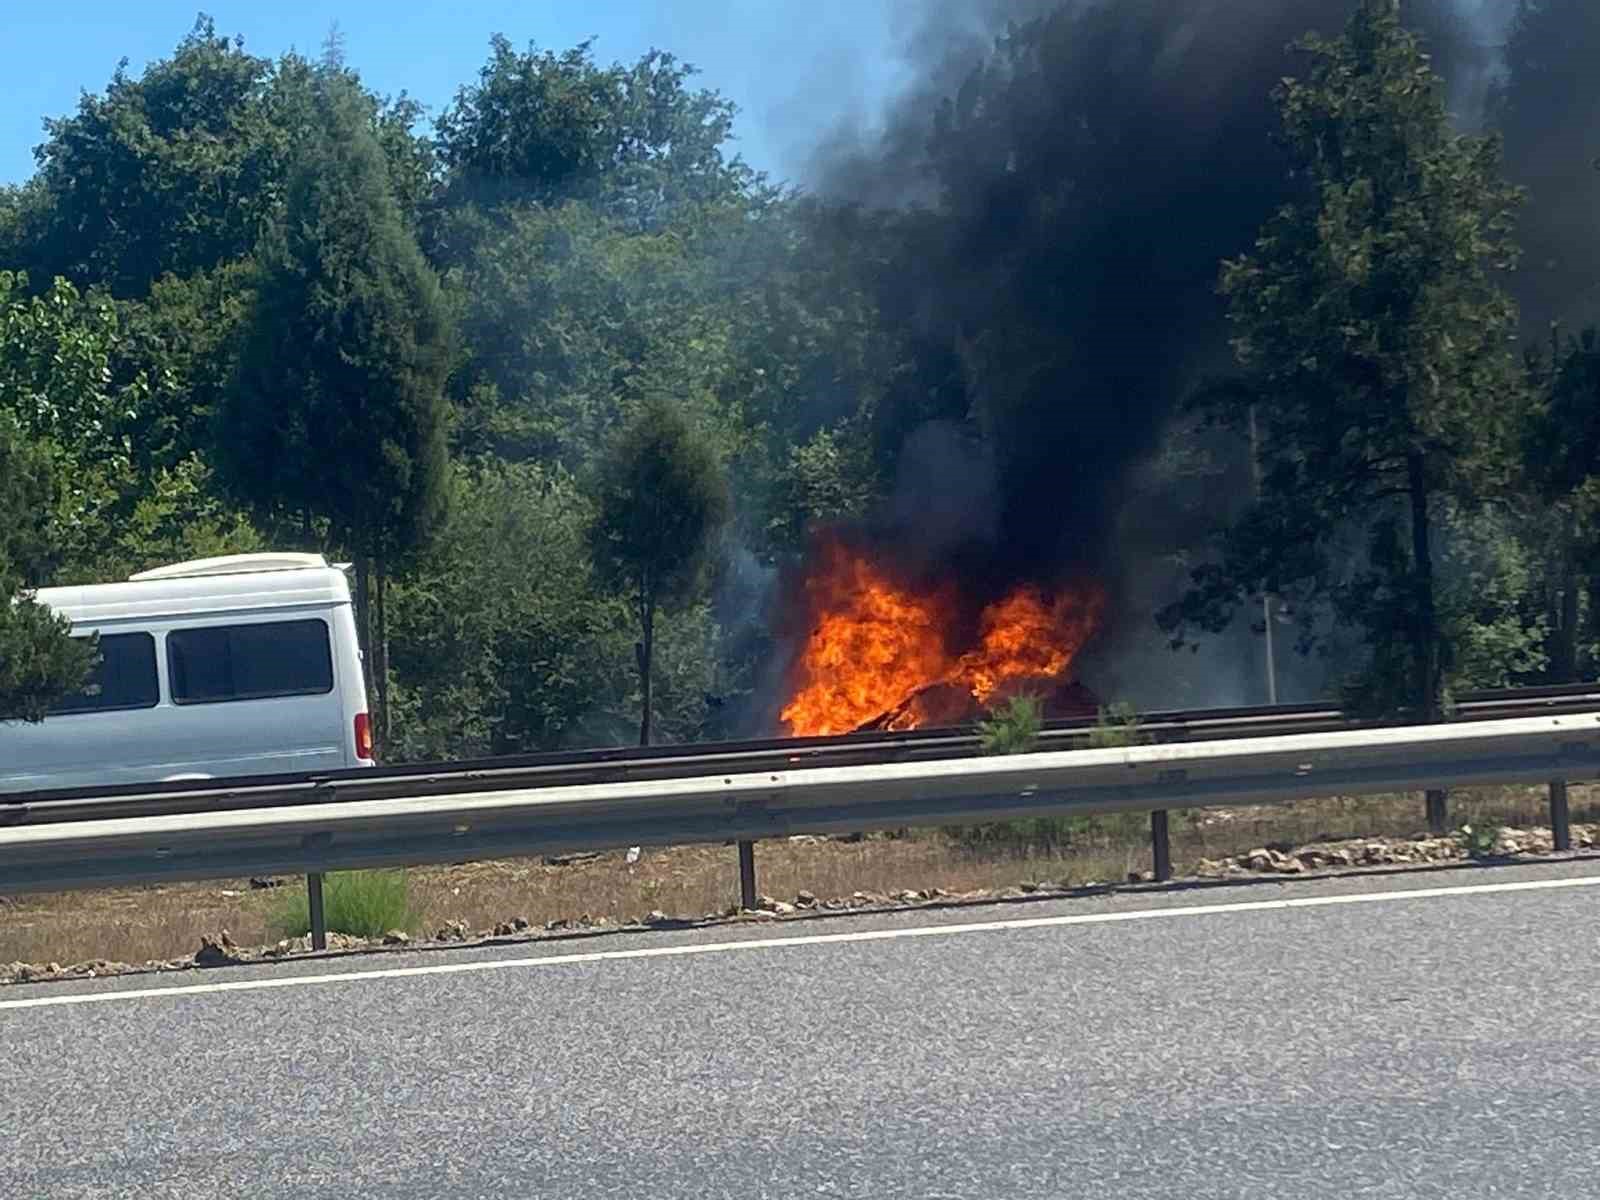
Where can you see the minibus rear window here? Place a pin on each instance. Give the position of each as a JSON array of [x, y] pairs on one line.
[[250, 662], [123, 677]]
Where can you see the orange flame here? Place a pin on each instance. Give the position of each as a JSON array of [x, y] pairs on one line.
[[876, 644], [1027, 636]]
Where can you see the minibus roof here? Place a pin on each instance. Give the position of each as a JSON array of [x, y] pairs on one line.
[[238, 583]]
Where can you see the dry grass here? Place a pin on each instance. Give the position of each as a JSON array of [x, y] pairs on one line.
[[139, 924]]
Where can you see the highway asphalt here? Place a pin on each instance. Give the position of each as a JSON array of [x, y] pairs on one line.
[[1422, 1035]]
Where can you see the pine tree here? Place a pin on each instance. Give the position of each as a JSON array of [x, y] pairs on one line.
[[1375, 349], [338, 411]]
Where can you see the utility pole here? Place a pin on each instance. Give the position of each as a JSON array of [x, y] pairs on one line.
[[1266, 597]]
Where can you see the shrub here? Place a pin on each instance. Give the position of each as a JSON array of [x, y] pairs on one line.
[[358, 903], [1118, 726], [1478, 841], [1014, 727]]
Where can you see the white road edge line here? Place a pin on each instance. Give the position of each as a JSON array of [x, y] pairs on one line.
[[819, 939]]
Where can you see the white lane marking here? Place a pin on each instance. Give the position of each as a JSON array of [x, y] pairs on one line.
[[818, 939]]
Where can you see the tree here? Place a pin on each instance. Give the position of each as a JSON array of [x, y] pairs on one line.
[[660, 500], [566, 318], [180, 169], [79, 387], [501, 638], [180, 339], [1374, 348], [13, 209], [39, 663], [167, 172], [637, 143], [1562, 469], [810, 357], [337, 410], [56, 389], [75, 504]]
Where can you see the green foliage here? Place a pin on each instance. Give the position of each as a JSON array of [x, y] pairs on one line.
[[338, 406], [687, 673], [13, 204], [1484, 569], [1561, 468], [175, 515], [499, 632], [1478, 841], [132, 496], [57, 455], [29, 487], [55, 372], [1014, 727], [180, 170], [39, 663], [504, 643], [661, 499], [180, 341], [810, 356], [637, 143], [1373, 344], [616, 258], [1486, 573], [364, 904], [571, 322], [163, 173], [827, 478], [1117, 725]]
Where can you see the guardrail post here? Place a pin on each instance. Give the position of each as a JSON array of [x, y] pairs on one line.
[[319, 922], [1161, 845], [1560, 815], [1438, 811], [747, 875]]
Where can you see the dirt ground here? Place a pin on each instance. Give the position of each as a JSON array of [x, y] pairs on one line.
[[135, 925]]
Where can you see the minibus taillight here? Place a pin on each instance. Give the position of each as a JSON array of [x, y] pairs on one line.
[[363, 735]]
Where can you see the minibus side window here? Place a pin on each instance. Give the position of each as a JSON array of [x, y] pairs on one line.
[[219, 663], [124, 677]]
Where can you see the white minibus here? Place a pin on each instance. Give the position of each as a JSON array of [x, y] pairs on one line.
[[244, 665]]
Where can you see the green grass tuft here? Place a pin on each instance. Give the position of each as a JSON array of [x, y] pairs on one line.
[[359, 903]]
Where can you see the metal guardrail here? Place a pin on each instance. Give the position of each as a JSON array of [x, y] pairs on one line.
[[625, 764], [748, 806]]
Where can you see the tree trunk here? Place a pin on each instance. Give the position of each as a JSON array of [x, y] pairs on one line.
[[1425, 629], [380, 656], [647, 621]]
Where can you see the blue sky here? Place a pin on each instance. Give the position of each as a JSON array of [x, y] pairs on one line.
[[795, 67]]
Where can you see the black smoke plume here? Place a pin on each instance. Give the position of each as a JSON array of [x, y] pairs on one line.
[[1080, 172], [1066, 179], [1546, 103]]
